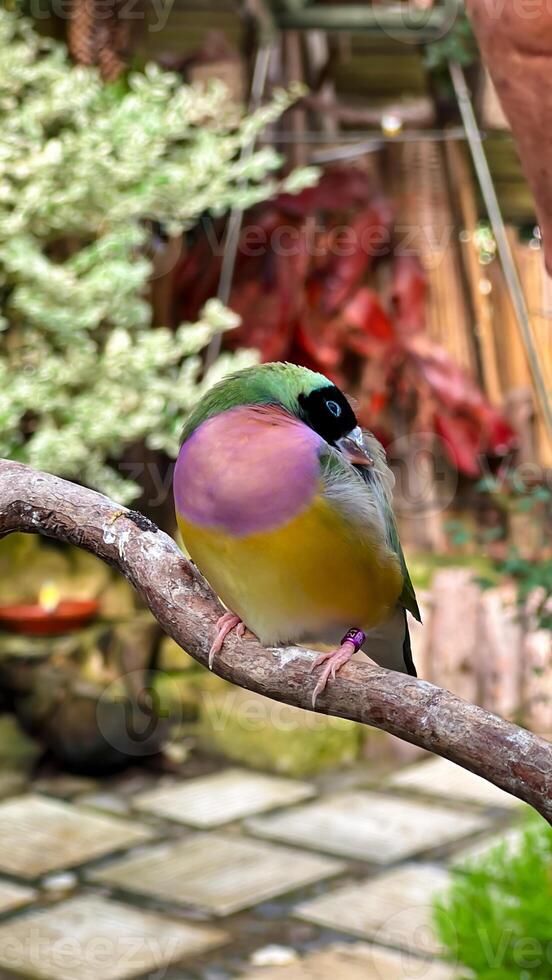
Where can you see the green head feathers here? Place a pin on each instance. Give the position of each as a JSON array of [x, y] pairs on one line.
[[264, 384]]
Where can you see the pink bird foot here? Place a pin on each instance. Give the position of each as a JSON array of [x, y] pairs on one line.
[[225, 625], [350, 644]]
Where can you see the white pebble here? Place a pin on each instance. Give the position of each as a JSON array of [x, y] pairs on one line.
[[274, 955], [65, 881]]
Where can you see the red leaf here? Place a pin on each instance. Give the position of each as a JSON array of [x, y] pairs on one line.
[[339, 189], [195, 280], [500, 437], [461, 441], [263, 325], [408, 294], [452, 386], [352, 252], [378, 402], [469, 424], [469, 435], [320, 340], [271, 299], [365, 312]]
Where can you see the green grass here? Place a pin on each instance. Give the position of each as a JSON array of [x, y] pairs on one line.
[[496, 918]]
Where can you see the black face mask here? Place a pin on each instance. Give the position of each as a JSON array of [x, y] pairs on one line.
[[327, 411]]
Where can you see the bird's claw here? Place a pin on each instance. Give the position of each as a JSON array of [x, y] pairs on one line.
[[336, 660], [225, 625]]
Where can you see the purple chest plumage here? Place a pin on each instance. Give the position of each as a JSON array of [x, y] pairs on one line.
[[247, 470]]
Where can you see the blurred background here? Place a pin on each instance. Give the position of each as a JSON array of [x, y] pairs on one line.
[[187, 188]]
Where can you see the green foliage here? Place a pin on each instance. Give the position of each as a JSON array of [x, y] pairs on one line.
[[84, 170], [457, 44], [457, 532], [534, 579], [532, 574], [496, 918], [424, 565]]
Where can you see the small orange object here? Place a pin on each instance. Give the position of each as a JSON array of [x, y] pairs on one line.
[[33, 619]]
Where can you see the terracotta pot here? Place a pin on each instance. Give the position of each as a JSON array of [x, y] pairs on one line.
[[31, 619]]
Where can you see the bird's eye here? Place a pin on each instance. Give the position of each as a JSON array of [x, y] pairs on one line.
[[334, 408]]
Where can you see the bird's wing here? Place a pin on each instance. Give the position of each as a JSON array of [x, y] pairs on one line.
[[407, 598]]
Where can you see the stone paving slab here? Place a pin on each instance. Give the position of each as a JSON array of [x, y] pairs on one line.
[[221, 874], [38, 835], [13, 896], [106, 802], [512, 838], [64, 785], [393, 909], [446, 780], [368, 826], [92, 938], [221, 797], [357, 961]]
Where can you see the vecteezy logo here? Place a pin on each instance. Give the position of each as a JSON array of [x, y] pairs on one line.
[[417, 21], [425, 483], [132, 717]]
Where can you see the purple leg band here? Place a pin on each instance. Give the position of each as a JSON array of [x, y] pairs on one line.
[[354, 636]]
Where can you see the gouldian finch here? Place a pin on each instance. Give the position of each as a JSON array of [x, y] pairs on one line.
[[284, 505]]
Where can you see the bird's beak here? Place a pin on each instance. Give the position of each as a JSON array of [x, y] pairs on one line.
[[353, 448]]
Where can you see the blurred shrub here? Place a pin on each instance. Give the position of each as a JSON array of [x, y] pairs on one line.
[[496, 919], [517, 541], [457, 43], [85, 169]]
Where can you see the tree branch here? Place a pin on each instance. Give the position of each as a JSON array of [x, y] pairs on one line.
[[186, 608]]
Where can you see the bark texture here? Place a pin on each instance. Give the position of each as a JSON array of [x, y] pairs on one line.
[[98, 34], [186, 608]]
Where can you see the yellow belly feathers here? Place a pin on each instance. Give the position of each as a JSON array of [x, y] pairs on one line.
[[302, 581]]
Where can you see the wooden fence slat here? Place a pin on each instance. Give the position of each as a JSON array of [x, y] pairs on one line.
[[500, 638], [454, 632]]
